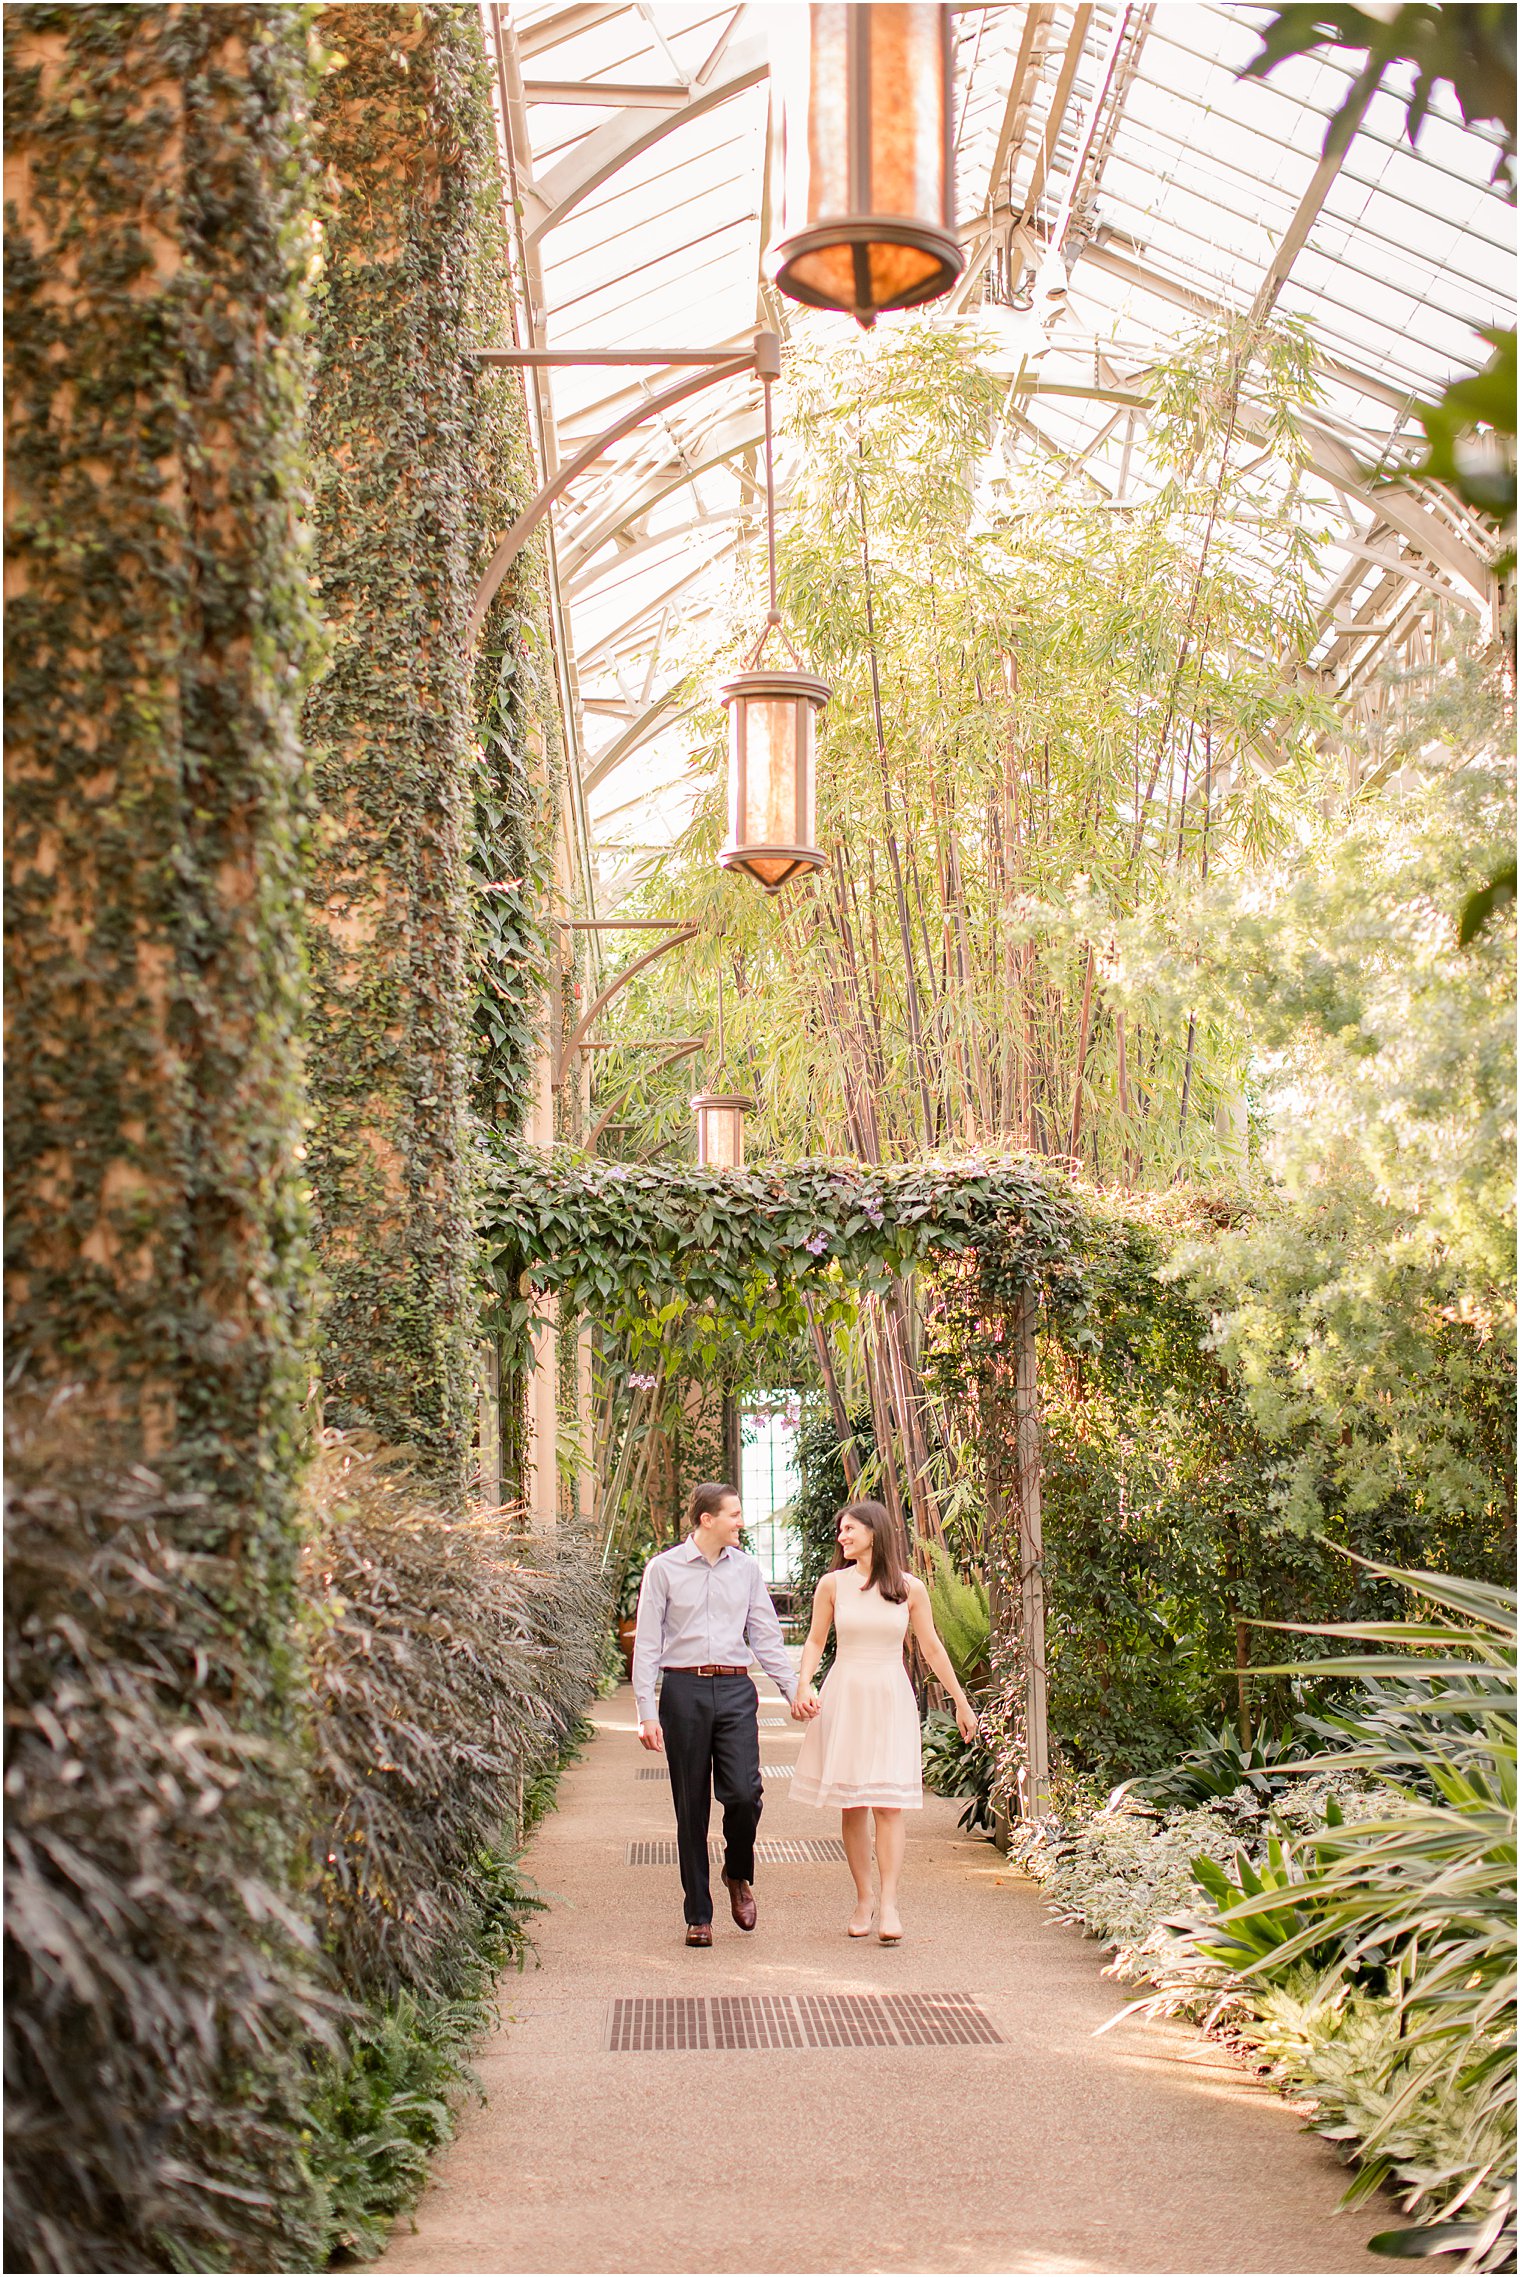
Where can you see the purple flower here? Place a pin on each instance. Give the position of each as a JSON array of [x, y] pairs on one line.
[[817, 1243]]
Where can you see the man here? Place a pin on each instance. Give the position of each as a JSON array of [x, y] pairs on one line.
[[703, 1608]]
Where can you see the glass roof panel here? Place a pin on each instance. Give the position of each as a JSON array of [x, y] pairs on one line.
[[639, 134]]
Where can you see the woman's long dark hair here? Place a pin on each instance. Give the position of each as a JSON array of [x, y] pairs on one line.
[[888, 1576]]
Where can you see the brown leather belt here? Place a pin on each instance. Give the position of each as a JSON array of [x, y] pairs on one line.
[[708, 1668]]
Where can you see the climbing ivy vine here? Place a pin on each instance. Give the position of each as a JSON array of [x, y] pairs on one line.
[[431, 839], [663, 1255], [159, 260], [159, 630]]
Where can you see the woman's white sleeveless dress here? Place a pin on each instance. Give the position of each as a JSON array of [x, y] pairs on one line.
[[864, 1746]]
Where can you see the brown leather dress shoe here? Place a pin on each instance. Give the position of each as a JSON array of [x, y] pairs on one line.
[[699, 1932], [741, 1900]]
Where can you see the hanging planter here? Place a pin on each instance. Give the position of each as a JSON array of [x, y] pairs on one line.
[[866, 163], [720, 1129]]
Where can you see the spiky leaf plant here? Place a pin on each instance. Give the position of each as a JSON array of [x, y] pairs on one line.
[[1426, 1889]]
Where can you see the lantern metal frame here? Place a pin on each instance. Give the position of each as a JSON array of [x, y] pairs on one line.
[[809, 694], [858, 227]]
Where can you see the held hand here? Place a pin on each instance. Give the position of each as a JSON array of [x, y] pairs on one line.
[[805, 1706], [651, 1736], [967, 1722]]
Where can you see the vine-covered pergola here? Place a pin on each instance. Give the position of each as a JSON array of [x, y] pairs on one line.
[[680, 1260]]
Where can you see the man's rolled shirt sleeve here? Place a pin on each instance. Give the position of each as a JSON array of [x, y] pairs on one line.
[[648, 1637], [762, 1633]]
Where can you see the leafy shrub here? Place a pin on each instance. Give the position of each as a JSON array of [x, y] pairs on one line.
[[374, 2117], [160, 1972], [962, 1616], [446, 1670], [1435, 1882], [1221, 1763], [198, 2077], [959, 1768], [1374, 1959], [449, 1675], [1126, 1872]]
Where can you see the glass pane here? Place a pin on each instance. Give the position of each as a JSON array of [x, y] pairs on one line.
[[907, 113], [768, 1480], [725, 1137], [771, 789]]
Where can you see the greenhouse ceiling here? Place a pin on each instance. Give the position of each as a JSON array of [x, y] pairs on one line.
[[1117, 181]]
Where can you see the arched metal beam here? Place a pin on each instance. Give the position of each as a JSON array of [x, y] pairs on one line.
[[618, 139], [665, 399], [579, 1032], [664, 711], [689, 457]]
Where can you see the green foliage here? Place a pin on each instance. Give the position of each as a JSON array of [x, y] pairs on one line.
[[1221, 1763], [1040, 709], [373, 2118], [161, 625], [1366, 1307], [962, 1615], [1284, 1928], [430, 837], [512, 859], [1423, 1890], [959, 1768], [684, 1258]]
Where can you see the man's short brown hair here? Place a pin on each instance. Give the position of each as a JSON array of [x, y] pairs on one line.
[[705, 1500]]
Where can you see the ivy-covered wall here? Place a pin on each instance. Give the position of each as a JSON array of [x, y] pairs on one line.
[[160, 619], [159, 249], [429, 767]]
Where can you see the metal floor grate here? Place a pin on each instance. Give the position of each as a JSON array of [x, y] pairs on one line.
[[669, 2025], [826, 1853], [753, 2020], [671, 2022], [767, 1771]]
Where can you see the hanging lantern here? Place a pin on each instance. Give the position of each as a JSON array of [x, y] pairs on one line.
[[771, 782], [720, 1129], [772, 794], [866, 162]]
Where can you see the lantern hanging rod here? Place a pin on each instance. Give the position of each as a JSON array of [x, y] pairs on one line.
[[763, 359], [547, 358]]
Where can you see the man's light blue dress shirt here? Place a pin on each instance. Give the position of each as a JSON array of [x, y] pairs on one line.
[[692, 1612]]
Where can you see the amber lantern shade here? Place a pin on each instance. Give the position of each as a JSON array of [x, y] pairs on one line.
[[771, 796], [720, 1129], [866, 160]]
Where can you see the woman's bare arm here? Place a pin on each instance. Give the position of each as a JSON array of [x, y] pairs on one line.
[[817, 1638]]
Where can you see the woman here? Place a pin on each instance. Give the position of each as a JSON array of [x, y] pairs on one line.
[[863, 1751]]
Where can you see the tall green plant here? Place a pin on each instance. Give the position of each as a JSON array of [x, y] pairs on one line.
[[1427, 1890]]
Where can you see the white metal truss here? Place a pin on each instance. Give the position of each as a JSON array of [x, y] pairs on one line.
[[1118, 181]]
